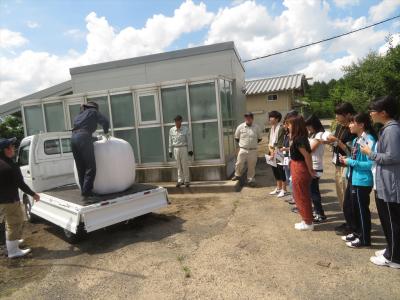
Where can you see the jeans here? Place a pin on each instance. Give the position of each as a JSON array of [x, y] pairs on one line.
[[316, 197]]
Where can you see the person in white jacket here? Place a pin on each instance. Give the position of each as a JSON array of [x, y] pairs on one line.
[[180, 146]]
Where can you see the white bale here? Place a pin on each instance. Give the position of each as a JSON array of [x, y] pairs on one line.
[[115, 166]]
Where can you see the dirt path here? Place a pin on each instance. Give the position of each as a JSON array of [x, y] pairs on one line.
[[210, 246]]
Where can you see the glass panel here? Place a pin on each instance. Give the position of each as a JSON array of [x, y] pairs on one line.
[[205, 141], [23, 155], [147, 108], [224, 100], [151, 149], [174, 103], [130, 137], [54, 113], [202, 101], [34, 119], [122, 110], [229, 148], [52, 147], [103, 107], [66, 145], [74, 110]]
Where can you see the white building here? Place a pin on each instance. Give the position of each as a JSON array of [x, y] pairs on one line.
[[142, 95]]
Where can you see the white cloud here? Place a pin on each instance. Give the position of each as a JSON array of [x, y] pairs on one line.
[[383, 10], [249, 24], [32, 24], [75, 33], [11, 39], [301, 22], [346, 3], [31, 71]]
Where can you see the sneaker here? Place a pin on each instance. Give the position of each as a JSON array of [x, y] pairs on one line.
[[235, 178], [187, 184], [292, 202], [294, 210], [302, 226], [356, 244], [349, 238], [275, 192], [282, 193], [380, 252], [178, 184], [251, 183], [382, 261], [319, 218]]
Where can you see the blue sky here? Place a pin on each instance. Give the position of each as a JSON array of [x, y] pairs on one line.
[[44, 38]]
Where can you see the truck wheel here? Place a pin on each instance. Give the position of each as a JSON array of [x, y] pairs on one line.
[[28, 211], [74, 238]]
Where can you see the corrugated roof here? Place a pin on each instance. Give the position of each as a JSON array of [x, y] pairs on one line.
[[157, 57], [274, 84]]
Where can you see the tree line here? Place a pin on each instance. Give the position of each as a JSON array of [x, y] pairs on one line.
[[372, 76]]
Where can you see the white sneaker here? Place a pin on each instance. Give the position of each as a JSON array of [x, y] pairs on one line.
[[380, 252], [275, 191], [281, 194], [382, 261], [303, 226]]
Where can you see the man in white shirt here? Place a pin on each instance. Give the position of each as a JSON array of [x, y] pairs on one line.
[[247, 135], [180, 146]]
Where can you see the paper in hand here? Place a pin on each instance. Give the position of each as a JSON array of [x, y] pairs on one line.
[[270, 160]]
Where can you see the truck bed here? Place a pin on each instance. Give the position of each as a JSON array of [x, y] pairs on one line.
[[72, 193]]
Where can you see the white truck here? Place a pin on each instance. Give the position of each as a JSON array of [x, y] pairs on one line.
[[46, 164]]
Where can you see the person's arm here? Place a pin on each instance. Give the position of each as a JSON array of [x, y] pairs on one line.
[[391, 144], [314, 145], [103, 121], [237, 134], [170, 141], [281, 135], [259, 137], [308, 160]]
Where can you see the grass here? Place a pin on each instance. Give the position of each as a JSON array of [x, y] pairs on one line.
[[185, 269]]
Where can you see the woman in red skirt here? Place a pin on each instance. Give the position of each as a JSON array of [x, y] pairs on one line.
[[302, 171]]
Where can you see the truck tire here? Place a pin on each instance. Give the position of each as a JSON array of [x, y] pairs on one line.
[[75, 238], [28, 210]]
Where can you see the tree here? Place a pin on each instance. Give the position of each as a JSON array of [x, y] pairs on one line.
[[11, 126]]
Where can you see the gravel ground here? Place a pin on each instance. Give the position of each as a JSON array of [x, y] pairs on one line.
[[208, 246]]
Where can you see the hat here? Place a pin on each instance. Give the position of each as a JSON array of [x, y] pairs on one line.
[[249, 114], [91, 105], [178, 118], [4, 143]]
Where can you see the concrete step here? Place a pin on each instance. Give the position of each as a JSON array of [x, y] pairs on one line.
[[227, 186]]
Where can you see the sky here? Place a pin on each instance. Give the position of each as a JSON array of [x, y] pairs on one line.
[[41, 39]]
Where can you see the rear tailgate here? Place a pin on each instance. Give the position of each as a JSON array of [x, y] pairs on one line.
[[122, 208]]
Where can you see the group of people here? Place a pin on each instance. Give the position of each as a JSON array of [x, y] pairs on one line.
[[365, 160]]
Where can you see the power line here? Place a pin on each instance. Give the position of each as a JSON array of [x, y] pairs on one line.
[[321, 41]]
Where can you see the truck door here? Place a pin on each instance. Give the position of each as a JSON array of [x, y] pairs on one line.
[[23, 161]]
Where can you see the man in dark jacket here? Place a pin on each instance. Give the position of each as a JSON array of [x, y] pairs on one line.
[[82, 144], [10, 181]]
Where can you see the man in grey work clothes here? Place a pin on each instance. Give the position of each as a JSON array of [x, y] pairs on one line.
[[247, 135], [180, 143]]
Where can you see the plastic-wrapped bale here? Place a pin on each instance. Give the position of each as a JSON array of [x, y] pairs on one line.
[[115, 166]]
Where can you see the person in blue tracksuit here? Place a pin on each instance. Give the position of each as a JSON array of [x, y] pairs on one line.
[[85, 124], [359, 173]]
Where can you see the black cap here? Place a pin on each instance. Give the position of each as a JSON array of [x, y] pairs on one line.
[[249, 114], [91, 105], [178, 118], [4, 143]]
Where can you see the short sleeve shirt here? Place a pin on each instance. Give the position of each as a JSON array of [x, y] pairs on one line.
[[297, 143]]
